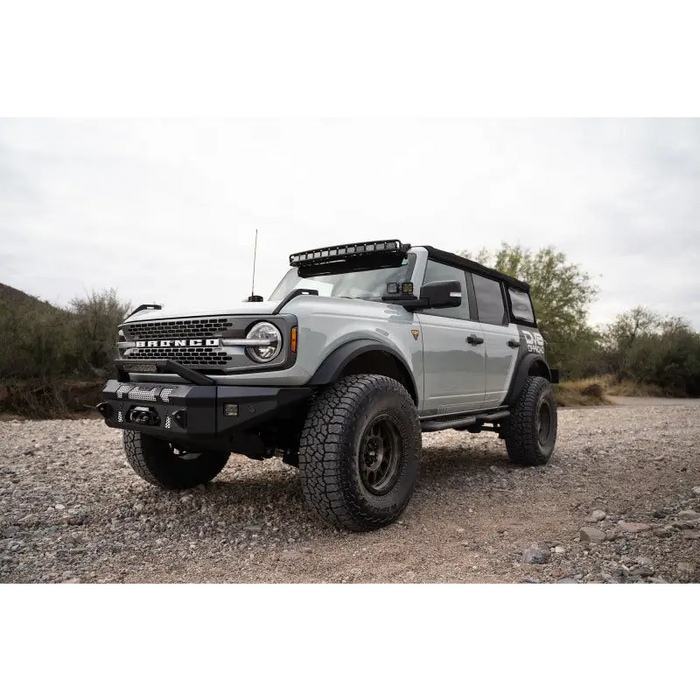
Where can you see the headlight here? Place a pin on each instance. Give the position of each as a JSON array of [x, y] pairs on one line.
[[268, 342]]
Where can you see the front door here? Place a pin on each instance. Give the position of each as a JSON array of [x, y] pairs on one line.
[[453, 352]]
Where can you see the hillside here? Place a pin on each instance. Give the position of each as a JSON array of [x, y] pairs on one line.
[[15, 297]]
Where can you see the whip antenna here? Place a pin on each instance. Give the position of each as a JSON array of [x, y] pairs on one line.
[[252, 296]]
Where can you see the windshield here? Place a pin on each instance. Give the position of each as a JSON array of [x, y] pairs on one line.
[[368, 284]]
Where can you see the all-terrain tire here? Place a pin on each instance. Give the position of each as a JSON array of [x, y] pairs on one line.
[[157, 462], [359, 452], [532, 429]]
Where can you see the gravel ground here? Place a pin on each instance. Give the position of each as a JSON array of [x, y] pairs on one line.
[[71, 510]]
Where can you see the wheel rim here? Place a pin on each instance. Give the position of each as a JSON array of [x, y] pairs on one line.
[[380, 455], [544, 423]]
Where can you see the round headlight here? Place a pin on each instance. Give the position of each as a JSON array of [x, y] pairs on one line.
[[268, 342]]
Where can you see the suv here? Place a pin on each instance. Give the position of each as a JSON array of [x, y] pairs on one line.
[[339, 373]]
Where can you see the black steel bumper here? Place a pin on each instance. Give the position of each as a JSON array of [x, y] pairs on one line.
[[194, 413]]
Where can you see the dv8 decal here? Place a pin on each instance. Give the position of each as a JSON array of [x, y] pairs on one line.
[[532, 340]]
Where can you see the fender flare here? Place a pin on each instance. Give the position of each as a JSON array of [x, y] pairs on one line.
[[333, 365], [523, 372]]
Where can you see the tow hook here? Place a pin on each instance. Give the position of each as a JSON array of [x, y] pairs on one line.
[[105, 410]]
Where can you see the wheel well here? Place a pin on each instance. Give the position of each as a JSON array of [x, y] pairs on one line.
[[378, 362], [539, 369]]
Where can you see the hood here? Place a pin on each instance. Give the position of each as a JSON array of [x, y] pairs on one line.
[[244, 308]]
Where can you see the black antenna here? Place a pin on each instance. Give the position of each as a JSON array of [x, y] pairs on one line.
[[253, 296]]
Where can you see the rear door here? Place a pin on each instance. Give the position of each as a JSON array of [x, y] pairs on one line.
[[453, 351], [502, 339]]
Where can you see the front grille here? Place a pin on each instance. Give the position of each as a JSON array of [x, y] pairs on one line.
[[174, 330], [190, 357]]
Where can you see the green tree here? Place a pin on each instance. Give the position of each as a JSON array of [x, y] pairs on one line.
[[644, 347], [561, 294], [96, 319]]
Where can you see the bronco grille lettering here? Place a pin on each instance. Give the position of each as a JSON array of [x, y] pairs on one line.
[[191, 343]]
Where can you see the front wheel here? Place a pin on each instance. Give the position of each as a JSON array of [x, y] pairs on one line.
[[166, 465], [360, 452], [532, 429]]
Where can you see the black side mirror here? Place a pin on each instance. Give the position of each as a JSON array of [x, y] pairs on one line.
[[442, 295], [436, 295]]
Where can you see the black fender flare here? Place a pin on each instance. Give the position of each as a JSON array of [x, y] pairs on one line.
[[523, 372], [332, 367]]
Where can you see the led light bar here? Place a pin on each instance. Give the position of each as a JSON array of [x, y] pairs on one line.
[[344, 252]]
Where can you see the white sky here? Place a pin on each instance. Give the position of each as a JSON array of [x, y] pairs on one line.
[[166, 210]]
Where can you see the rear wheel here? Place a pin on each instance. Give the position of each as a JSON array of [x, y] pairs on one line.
[[171, 467], [360, 452], [532, 429]]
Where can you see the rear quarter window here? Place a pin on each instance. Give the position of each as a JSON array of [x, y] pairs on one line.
[[521, 306]]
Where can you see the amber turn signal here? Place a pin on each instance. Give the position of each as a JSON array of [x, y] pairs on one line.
[[294, 340]]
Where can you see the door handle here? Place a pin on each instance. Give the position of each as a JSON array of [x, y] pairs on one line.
[[513, 343], [474, 340]]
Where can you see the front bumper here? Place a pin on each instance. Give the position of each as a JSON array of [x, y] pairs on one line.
[[188, 413]]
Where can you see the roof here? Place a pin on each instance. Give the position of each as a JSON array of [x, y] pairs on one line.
[[465, 264]]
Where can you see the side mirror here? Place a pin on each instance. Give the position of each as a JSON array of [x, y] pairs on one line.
[[441, 295], [436, 295]]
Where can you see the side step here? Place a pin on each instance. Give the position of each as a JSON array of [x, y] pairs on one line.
[[431, 426]]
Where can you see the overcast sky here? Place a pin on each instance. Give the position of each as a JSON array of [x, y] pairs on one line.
[[166, 210]]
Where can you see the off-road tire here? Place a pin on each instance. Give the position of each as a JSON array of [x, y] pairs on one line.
[[156, 462], [341, 424], [525, 441]]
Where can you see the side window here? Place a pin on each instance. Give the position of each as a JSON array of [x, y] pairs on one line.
[[437, 272], [521, 306], [489, 300]]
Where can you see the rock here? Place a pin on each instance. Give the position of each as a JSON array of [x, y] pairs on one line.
[[659, 514], [685, 524], [685, 569], [10, 532], [644, 571], [559, 550], [691, 535], [464, 544], [633, 527], [460, 530], [59, 506], [290, 556], [535, 555], [696, 490], [72, 580], [656, 579], [688, 515], [596, 516], [567, 580], [591, 534], [531, 580], [666, 531]]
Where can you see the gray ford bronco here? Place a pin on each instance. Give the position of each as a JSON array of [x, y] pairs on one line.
[[359, 350]]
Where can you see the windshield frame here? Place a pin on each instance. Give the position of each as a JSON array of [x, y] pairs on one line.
[[307, 282]]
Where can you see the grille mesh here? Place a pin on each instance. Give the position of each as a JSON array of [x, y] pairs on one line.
[[190, 357], [173, 330]]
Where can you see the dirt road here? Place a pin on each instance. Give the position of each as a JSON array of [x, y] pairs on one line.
[[642, 401], [71, 510]]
